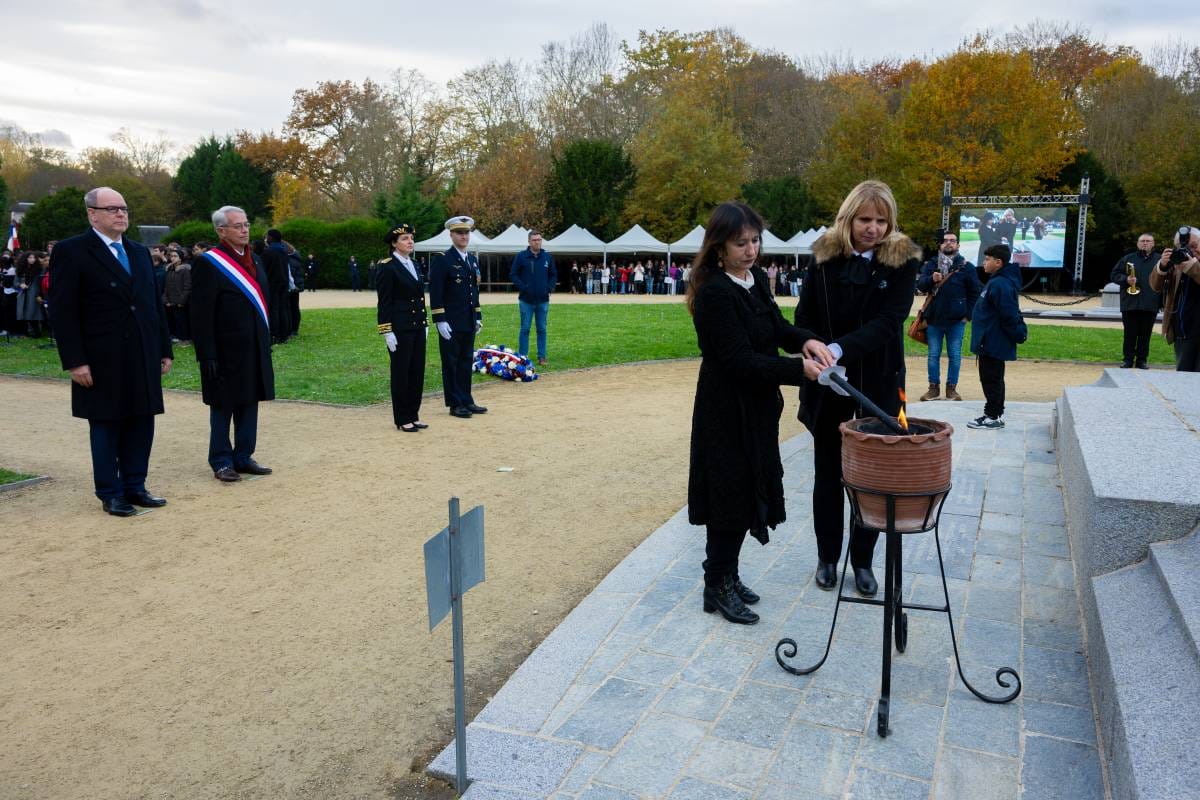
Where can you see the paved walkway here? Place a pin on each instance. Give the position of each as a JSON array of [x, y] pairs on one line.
[[639, 694]]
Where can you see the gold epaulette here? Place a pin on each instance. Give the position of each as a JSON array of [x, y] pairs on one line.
[[385, 328]]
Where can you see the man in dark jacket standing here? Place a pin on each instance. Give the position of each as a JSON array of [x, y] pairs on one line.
[[275, 259], [955, 287], [454, 307], [232, 334], [112, 336], [1139, 301], [534, 275], [996, 330]]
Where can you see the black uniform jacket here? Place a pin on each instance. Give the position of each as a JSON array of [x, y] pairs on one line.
[[735, 479], [112, 321], [454, 291], [228, 328], [862, 306], [1146, 299], [401, 298]]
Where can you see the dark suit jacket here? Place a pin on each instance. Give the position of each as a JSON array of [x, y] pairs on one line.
[[454, 291], [227, 328], [401, 298], [112, 321]]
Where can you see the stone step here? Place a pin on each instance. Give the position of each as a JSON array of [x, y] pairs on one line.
[[1178, 565], [1148, 690]]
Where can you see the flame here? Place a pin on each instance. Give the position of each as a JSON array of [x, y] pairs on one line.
[[903, 418]]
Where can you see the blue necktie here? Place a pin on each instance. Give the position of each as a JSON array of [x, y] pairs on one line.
[[122, 257]]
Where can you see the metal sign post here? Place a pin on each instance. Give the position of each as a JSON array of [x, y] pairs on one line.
[[453, 565]]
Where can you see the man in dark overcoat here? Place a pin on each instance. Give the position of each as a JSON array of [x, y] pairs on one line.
[[232, 337], [112, 337], [454, 306], [275, 259]]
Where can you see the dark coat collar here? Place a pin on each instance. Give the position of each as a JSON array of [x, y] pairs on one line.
[[108, 260]]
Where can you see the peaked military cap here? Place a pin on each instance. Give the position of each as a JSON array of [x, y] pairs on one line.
[[460, 224], [398, 231]]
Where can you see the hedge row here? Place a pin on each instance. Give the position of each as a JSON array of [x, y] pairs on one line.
[[332, 242]]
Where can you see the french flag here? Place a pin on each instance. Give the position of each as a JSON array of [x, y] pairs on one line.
[[14, 243]]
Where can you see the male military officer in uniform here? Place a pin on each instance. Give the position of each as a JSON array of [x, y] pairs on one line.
[[112, 337], [454, 302]]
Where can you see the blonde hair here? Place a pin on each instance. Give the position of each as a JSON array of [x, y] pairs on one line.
[[867, 192]]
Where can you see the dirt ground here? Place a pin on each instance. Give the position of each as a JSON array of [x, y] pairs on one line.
[[269, 639]]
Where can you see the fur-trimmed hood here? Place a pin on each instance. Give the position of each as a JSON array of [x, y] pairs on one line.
[[893, 252]]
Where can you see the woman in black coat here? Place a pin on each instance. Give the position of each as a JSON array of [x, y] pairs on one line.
[[856, 297], [404, 327], [735, 482]]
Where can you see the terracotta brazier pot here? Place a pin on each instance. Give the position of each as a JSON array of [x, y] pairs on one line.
[[875, 459]]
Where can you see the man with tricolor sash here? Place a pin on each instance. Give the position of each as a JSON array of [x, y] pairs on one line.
[[231, 331]]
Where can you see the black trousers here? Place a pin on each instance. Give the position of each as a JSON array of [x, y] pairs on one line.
[[829, 496], [1187, 354], [294, 307], [244, 420], [179, 322], [458, 353], [1139, 327], [121, 455], [991, 375], [408, 376], [722, 548]]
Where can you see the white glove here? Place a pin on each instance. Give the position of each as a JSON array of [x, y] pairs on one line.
[[426, 331], [389, 339], [444, 330], [478, 325]]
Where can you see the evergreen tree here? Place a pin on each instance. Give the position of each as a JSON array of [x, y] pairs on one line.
[[55, 216], [589, 181], [406, 204]]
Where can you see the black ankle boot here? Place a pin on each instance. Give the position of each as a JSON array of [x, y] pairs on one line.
[[748, 595], [724, 598]]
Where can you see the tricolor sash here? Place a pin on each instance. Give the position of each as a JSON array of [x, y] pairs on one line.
[[248, 286]]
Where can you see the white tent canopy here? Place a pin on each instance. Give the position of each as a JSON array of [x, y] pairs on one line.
[[441, 243], [575, 240], [773, 245], [803, 240], [691, 242], [637, 240], [513, 240]]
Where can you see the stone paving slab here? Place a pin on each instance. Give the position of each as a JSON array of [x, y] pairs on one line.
[[638, 694]]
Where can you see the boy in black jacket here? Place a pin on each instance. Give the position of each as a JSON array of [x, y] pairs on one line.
[[996, 330]]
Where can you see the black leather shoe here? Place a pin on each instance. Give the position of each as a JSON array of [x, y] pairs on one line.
[[474, 409], [1126, 365], [227, 475], [749, 597], [409, 428], [1143, 365], [826, 575], [420, 425], [145, 499], [461, 412], [864, 581], [725, 599], [118, 508], [252, 467]]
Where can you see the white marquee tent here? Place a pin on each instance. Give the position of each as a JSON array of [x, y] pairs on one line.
[[803, 240], [774, 246], [514, 239], [441, 243], [691, 242], [575, 241], [637, 240]]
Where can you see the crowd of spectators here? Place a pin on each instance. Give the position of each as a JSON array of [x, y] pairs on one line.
[[658, 277]]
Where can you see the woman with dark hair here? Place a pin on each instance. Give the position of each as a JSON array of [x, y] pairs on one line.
[[28, 304], [988, 235], [403, 325], [857, 295], [735, 480], [177, 293]]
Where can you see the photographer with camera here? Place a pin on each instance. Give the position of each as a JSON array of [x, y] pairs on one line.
[[955, 288], [1139, 302], [1176, 276]]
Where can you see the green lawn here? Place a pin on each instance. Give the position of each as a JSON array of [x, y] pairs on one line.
[[8, 476], [339, 358]]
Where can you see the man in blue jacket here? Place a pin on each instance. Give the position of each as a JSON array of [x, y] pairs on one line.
[[535, 277], [955, 287], [996, 330]]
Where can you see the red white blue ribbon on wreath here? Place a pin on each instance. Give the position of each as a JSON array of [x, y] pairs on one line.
[[498, 360], [248, 286]]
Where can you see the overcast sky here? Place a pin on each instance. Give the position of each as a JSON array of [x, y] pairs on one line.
[[77, 71]]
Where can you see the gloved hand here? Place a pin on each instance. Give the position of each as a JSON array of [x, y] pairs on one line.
[[444, 330], [478, 325], [389, 339], [209, 369]]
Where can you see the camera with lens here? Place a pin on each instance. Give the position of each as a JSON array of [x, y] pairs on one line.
[[1183, 253]]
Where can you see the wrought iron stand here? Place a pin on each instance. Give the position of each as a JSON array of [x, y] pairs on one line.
[[894, 607]]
